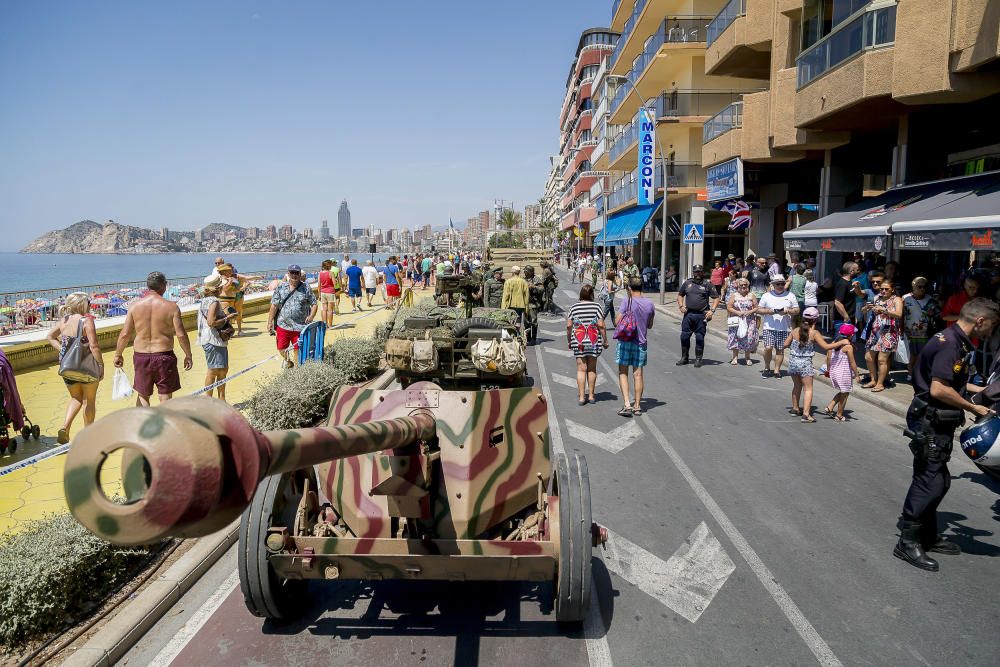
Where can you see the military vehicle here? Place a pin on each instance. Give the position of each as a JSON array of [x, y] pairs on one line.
[[484, 348], [412, 484]]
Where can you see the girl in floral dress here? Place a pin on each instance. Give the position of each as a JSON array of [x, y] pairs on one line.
[[842, 370], [742, 309], [884, 336]]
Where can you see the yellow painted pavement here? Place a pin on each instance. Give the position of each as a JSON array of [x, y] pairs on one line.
[[36, 490]]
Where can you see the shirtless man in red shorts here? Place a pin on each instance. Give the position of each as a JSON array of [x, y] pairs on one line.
[[154, 322]]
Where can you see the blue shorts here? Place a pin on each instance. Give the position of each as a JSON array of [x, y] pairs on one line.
[[354, 292], [629, 353], [216, 356]]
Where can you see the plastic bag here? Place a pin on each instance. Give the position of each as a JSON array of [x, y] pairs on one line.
[[903, 351], [121, 387]]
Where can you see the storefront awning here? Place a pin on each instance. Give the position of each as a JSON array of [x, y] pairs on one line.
[[951, 214], [624, 228]]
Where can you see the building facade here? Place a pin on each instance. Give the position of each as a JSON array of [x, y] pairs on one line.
[[576, 142], [344, 220], [324, 231]]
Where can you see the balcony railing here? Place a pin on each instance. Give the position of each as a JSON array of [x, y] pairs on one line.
[[679, 175], [727, 119], [627, 30], [625, 139], [695, 102], [732, 11], [623, 193], [869, 29], [673, 30]]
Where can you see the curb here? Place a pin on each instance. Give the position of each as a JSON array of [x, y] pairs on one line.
[[867, 397], [127, 627]]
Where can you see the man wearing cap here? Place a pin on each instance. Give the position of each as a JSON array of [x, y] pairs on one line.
[[777, 307], [696, 299], [293, 306]]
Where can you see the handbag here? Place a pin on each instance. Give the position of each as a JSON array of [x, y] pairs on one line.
[[733, 321], [903, 350], [226, 330], [627, 329], [77, 363]]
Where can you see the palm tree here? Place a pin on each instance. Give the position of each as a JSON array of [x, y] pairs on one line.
[[509, 220], [548, 228]]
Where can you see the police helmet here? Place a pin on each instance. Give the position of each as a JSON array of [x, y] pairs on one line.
[[980, 441]]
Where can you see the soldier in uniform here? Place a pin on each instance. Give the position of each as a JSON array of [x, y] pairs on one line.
[[940, 379], [493, 288], [536, 292], [551, 282]]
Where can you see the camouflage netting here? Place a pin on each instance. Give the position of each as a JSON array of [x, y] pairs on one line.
[[53, 571], [448, 315]]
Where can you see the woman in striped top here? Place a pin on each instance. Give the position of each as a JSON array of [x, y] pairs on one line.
[[587, 338]]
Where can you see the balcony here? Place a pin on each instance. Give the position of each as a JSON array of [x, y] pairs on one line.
[[626, 33], [871, 29], [683, 178], [696, 105], [674, 32], [739, 40], [728, 119]]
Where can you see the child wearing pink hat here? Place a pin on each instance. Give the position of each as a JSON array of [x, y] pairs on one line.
[[842, 370], [802, 342]]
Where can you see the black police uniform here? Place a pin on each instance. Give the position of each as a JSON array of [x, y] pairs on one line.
[[931, 428], [697, 296]]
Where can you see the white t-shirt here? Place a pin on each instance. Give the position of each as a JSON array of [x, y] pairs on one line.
[[810, 293], [370, 274], [778, 321]]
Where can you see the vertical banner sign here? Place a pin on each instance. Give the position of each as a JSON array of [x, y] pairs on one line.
[[647, 129]]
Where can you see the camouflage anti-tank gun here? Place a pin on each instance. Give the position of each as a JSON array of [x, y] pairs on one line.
[[419, 484]]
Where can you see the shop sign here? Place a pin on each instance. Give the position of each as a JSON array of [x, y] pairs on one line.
[[878, 244], [983, 241], [647, 131], [826, 244], [794, 244], [725, 180], [911, 241]]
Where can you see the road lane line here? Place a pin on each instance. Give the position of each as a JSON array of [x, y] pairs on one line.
[[806, 631], [177, 643], [595, 633]]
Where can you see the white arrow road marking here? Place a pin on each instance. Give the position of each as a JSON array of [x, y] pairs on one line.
[[571, 382], [613, 441], [561, 353], [686, 583]]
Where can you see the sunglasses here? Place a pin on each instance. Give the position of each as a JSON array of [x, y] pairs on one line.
[[885, 289]]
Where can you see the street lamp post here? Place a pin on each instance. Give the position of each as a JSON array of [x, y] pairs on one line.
[[663, 169]]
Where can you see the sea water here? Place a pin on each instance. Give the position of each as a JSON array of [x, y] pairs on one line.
[[24, 272]]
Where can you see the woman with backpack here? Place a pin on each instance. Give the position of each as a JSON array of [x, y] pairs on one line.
[[587, 338]]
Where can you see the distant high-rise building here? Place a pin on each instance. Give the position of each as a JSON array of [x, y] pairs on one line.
[[428, 232], [164, 234], [344, 220], [271, 233], [199, 235], [253, 232], [287, 233], [324, 231], [307, 232], [357, 233]]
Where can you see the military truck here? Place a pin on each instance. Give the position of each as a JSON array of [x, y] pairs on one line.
[[458, 347]]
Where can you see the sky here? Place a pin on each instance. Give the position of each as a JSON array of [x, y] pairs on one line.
[[182, 113]]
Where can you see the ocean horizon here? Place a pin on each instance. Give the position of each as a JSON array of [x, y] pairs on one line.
[[30, 271]]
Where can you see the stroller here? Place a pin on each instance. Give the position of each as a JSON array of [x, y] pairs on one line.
[[11, 411]]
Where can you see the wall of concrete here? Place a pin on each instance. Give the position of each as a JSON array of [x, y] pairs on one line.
[[867, 75]]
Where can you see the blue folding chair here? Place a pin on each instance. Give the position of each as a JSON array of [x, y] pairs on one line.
[[311, 342]]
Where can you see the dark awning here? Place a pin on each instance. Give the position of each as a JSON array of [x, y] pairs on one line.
[[938, 215]]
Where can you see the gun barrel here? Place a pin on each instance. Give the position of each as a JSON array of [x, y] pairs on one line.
[[192, 465]]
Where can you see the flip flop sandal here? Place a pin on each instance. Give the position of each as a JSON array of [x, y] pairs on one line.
[[793, 411], [828, 412], [839, 418], [584, 402], [637, 412], [877, 389], [808, 420], [625, 412]]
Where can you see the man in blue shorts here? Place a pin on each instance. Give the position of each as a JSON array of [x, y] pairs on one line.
[[354, 275]]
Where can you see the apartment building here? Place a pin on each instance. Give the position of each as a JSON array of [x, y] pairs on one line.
[[658, 64], [576, 142], [863, 106]]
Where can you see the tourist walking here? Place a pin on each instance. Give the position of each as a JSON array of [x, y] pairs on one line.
[[718, 277], [212, 335], [778, 306], [293, 306], [797, 286], [354, 276], [842, 370], [587, 338], [328, 296], [390, 278], [606, 294], [883, 336], [635, 318], [802, 342], [77, 321], [742, 322], [515, 294], [810, 291], [154, 323], [370, 275], [758, 276], [697, 300]]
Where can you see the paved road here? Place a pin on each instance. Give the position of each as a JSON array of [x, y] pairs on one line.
[[739, 536]]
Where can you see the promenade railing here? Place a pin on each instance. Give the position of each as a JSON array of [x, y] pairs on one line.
[[29, 310]]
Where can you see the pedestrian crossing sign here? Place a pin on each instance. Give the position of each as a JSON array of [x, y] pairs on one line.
[[694, 232]]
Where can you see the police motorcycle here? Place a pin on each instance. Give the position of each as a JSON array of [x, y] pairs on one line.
[[981, 440]]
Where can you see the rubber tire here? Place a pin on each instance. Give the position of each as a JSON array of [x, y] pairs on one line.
[[265, 595], [25, 432], [462, 326], [36, 432], [13, 446], [575, 550]]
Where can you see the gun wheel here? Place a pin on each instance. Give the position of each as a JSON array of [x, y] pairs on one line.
[[274, 504], [572, 582]]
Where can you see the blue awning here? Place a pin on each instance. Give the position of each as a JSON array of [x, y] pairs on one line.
[[624, 228]]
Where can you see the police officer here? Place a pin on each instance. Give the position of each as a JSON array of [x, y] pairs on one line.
[[693, 299], [940, 379], [493, 288], [536, 292]]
